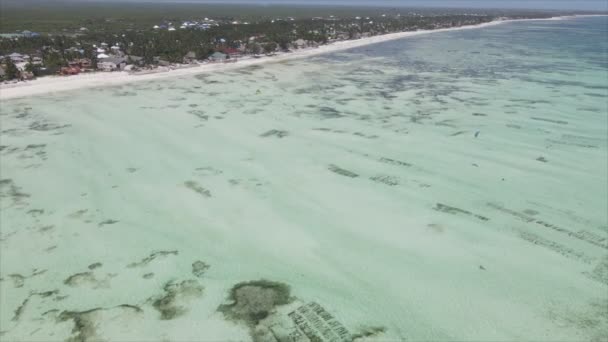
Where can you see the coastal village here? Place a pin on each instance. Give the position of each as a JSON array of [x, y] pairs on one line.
[[168, 45], [26, 55]]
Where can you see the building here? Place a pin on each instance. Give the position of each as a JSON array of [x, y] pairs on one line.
[[190, 57], [18, 58], [81, 63], [30, 34], [232, 53], [26, 75], [300, 43], [218, 57], [71, 70], [112, 64], [136, 60]]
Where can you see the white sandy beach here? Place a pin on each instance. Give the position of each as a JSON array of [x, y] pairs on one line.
[[62, 83]]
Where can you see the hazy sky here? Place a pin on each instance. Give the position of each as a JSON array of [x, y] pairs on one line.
[[528, 4]]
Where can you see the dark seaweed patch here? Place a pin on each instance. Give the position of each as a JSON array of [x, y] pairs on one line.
[[343, 172], [151, 257], [84, 322], [253, 301], [394, 162], [582, 235], [78, 213], [329, 113], [455, 211], [596, 95], [45, 228], [559, 142], [385, 179], [20, 308], [19, 311], [9, 189], [554, 246], [35, 212], [199, 268], [600, 271], [200, 114], [44, 126], [124, 93], [194, 186], [368, 332], [561, 122], [18, 279], [275, 132], [106, 222], [95, 265], [80, 279], [168, 304]]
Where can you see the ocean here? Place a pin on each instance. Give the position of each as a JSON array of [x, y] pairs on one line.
[[449, 186]]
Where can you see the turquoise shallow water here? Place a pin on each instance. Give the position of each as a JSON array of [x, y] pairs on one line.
[[442, 187]]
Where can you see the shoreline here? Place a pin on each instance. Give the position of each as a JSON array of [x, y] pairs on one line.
[[52, 84]]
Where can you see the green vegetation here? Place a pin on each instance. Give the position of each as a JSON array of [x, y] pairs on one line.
[[71, 33], [10, 70], [60, 17]]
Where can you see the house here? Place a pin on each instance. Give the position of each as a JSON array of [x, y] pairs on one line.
[[232, 53], [300, 43], [190, 57], [30, 34], [17, 57], [81, 63], [85, 63], [135, 60], [218, 57], [163, 62], [26, 75], [102, 56], [112, 64], [71, 70]]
